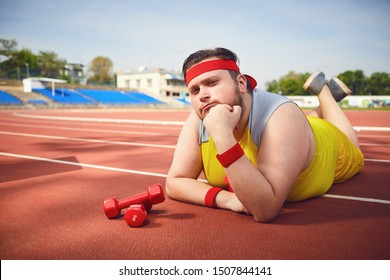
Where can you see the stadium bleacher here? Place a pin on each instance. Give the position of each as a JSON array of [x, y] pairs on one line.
[[82, 97], [64, 96], [142, 97], [108, 96], [37, 102], [8, 99], [183, 100], [118, 97]]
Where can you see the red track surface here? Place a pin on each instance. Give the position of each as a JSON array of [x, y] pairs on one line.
[[55, 174]]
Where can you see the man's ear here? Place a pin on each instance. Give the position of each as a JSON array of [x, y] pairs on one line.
[[242, 83]]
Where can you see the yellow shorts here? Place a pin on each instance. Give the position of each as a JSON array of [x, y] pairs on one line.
[[336, 159]]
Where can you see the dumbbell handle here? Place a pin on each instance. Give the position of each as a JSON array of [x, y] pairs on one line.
[[136, 199]]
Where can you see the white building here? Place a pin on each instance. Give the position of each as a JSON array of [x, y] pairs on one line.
[[157, 82]]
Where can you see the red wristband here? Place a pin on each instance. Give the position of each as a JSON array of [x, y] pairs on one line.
[[231, 155], [209, 199]]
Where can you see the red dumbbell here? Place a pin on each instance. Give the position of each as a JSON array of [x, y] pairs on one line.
[[148, 206], [154, 195], [136, 215]]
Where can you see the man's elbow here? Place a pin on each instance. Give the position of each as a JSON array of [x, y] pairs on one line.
[[265, 216], [169, 187], [263, 220]]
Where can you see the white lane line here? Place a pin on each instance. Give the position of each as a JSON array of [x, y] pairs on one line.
[[85, 129], [85, 165], [371, 128], [373, 136], [142, 133], [87, 140], [374, 145], [377, 160], [357, 198], [62, 118], [164, 175], [122, 143]]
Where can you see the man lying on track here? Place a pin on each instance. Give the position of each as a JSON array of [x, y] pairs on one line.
[[258, 149]]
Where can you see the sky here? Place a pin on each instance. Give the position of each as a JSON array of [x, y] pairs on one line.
[[270, 38]]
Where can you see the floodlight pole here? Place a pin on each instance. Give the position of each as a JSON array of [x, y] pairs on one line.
[[27, 70]]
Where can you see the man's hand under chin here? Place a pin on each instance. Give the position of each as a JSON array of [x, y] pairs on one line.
[[222, 120]]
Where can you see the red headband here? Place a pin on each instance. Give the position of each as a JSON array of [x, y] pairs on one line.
[[219, 64]]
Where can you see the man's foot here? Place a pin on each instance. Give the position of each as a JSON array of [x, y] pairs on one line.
[[338, 89], [315, 83]]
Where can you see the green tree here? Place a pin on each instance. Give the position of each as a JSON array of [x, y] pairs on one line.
[[356, 81], [273, 86], [8, 66], [101, 71], [17, 64], [49, 65], [378, 84], [23, 63], [27, 62], [7, 47], [290, 84]]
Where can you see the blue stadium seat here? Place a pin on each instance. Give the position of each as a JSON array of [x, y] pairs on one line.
[[142, 97], [118, 97], [9, 99], [37, 102], [182, 100], [94, 96], [64, 96]]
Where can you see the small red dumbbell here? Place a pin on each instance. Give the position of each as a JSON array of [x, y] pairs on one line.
[[148, 206], [154, 195], [136, 215]]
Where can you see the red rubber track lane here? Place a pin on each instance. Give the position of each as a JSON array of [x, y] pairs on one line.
[[55, 175]]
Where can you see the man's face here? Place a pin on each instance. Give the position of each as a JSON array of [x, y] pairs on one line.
[[212, 88]]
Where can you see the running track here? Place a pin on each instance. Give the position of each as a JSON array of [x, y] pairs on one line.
[[57, 167]]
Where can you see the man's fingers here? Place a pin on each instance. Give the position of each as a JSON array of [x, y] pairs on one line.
[[237, 109]]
